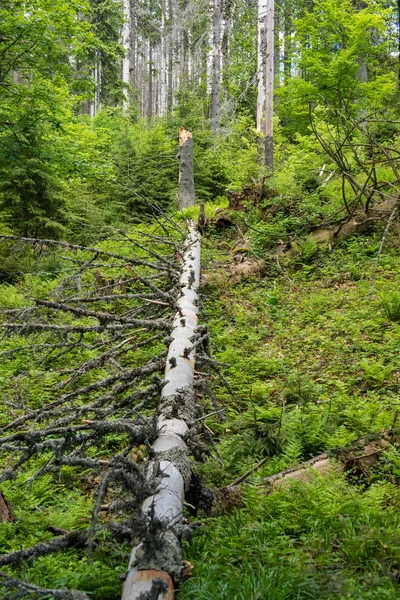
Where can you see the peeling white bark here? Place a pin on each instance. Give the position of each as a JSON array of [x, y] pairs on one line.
[[266, 56], [166, 505]]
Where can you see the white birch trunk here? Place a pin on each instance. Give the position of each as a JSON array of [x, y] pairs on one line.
[[163, 61], [152, 574], [265, 98], [126, 64], [216, 68], [269, 85], [262, 11]]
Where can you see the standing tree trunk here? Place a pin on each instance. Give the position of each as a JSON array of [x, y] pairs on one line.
[[170, 57], [163, 61], [287, 43], [265, 99], [216, 68], [159, 554], [150, 95], [186, 194], [277, 51], [132, 44], [269, 86], [126, 63], [225, 44]]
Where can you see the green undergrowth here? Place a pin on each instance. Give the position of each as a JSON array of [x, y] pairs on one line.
[[314, 366]]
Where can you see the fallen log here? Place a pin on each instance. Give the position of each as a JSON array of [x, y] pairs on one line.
[[157, 558]]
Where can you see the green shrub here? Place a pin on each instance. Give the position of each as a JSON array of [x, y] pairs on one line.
[[390, 302]]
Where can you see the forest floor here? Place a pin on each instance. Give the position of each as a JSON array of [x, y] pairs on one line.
[[314, 366]]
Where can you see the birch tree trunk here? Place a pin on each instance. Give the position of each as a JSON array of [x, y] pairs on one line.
[[186, 193], [265, 98], [261, 41], [127, 47], [159, 556], [132, 44], [216, 68], [163, 61], [170, 58], [269, 85]]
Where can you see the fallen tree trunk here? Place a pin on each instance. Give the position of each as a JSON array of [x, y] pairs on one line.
[[157, 558]]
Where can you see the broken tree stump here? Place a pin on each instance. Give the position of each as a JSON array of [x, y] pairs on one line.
[[186, 193]]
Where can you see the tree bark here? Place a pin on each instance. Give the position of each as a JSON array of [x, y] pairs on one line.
[[225, 45], [150, 93], [269, 85], [265, 99], [186, 193], [132, 44], [216, 68], [287, 43], [126, 63], [163, 61], [153, 561], [6, 513]]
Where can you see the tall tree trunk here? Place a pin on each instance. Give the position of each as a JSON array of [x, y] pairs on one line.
[[216, 68], [127, 47], [277, 51], [132, 44], [186, 193], [225, 46], [261, 42], [269, 85], [170, 57], [163, 60], [184, 46], [150, 94], [265, 99], [287, 43]]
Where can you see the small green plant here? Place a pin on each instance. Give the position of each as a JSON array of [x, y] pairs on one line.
[[390, 302], [376, 373], [308, 249]]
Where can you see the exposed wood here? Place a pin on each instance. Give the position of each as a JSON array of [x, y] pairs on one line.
[[159, 553], [186, 193], [6, 513]]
